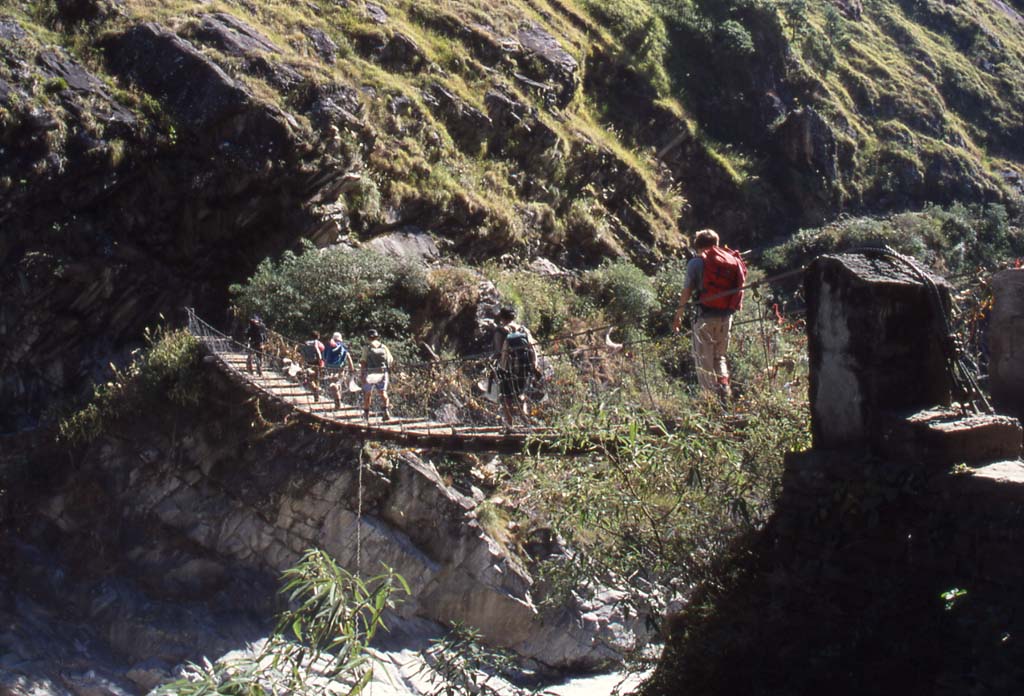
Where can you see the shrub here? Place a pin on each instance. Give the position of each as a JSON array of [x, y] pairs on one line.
[[364, 200], [956, 239], [326, 636], [544, 304], [736, 39], [627, 295], [336, 289], [668, 284], [55, 85], [658, 504], [167, 369], [453, 288], [586, 225]]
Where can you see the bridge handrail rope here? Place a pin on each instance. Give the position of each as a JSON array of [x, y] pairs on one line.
[[472, 357], [280, 347]]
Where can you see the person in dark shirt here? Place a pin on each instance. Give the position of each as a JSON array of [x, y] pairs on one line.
[[516, 356], [256, 337]]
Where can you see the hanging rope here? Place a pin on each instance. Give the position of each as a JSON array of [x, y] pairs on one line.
[[359, 510]]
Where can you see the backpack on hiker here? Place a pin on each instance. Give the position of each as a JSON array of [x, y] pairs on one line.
[[334, 356], [724, 272], [310, 353], [376, 359], [522, 355], [256, 333]]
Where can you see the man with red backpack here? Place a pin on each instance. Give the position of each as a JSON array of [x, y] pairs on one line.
[[715, 277]]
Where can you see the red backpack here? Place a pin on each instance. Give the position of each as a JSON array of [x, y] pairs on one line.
[[724, 271]]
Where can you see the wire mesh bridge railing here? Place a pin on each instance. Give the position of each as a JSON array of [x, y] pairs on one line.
[[452, 403]]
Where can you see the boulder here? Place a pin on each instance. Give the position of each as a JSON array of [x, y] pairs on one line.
[[1006, 342], [518, 130], [74, 11], [281, 77], [468, 126], [851, 9], [875, 345], [335, 105], [10, 30], [148, 674], [84, 91], [547, 60], [197, 93], [232, 36], [402, 53], [807, 162], [322, 44], [408, 244], [950, 177], [394, 50], [376, 13], [76, 77]]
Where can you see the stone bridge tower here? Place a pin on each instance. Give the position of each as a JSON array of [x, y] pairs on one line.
[[879, 364]]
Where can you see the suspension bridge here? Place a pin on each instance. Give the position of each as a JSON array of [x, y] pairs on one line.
[[456, 434], [438, 405]]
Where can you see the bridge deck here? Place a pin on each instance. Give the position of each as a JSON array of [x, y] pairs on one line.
[[414, 431]]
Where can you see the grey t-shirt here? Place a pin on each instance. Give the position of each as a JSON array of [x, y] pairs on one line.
[[695, 281]]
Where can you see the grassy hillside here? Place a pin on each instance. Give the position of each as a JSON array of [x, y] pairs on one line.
[[653, 113]]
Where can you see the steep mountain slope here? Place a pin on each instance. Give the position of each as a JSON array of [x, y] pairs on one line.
[[154, 152]]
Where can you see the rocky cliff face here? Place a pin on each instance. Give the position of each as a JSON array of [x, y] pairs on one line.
[[162, 543], [154, 152]]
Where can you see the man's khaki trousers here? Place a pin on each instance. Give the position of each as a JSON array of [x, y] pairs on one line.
[[710, 344]]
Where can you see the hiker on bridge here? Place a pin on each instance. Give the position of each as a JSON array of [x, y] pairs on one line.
[[338, 363], [374, 368], [256, 338], [715, 278], [516, 365], [336, 354], [312, 352]]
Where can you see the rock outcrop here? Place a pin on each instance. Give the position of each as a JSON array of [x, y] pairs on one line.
[[232, 36], [197, 93], [807, 164], [545, 59], [142, 212], [200, 511]]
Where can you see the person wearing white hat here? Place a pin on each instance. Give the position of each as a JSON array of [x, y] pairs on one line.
[[338, 362]]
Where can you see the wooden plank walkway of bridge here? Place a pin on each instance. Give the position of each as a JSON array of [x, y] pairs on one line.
[[412, 432]]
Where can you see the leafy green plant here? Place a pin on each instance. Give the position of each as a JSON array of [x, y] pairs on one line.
[[951, 596], [460, 663], [544, 304], [956, 239], [658, 497], [334, 289], [167, 368], [55, 85], [324, 636], [627, 294]]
